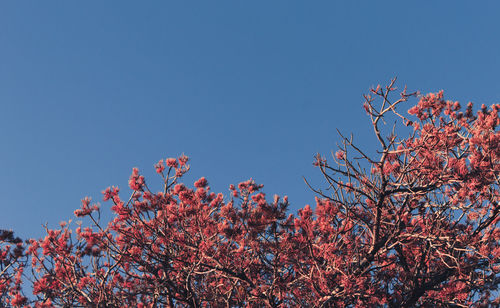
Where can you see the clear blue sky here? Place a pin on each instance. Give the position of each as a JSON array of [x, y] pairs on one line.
[[90, 89]]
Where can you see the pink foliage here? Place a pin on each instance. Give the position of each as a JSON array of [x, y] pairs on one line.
[[416, 225]]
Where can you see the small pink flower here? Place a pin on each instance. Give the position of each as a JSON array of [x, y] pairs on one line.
[[340, 155], [171, 162], [160, 166], [183, 159], [202, 182]]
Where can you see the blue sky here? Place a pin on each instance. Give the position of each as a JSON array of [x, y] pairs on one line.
[[247, 89]]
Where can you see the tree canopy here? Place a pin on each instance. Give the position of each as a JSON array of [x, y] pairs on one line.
[[415, 225]]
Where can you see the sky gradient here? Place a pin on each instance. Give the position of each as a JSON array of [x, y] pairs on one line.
[[246, 89]]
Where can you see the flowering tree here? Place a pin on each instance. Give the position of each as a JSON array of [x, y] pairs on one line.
[[12, 263], [416, 225], [178, 247]]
